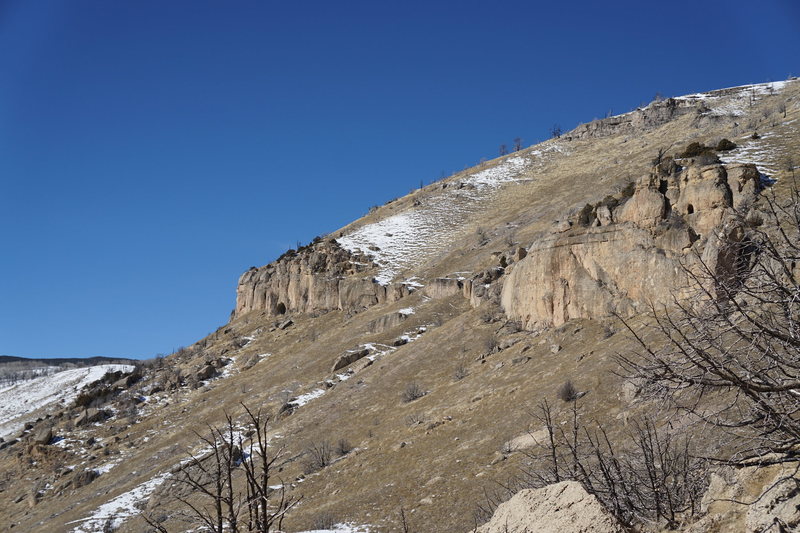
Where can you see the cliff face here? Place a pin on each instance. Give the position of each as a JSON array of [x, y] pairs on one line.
[[318, 278], [642, 119], [630, 249]]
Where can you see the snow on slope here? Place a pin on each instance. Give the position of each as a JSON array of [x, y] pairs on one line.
[[18, 400], [341, 528], [116, 511], [761, 152], [407, 239], [735, 101]]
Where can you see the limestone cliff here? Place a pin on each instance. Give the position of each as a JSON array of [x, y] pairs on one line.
[[630, 249], [320, 277]]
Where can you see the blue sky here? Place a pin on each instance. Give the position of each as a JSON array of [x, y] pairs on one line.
[[151, 151]]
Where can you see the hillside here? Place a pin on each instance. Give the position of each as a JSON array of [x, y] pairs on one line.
[[416, 343]]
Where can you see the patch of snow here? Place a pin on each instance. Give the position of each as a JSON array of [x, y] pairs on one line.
[[407, 311], [757, 152], [307, 397], [120, 508], [18, 400], [403, 241], [341, 528], [734, 101], [103, 469]]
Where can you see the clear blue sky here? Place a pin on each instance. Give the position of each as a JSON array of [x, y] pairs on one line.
[[151, 151]]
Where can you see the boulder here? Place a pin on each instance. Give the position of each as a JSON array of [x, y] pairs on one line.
[[348, 358], [84, 477], [90, 416], [43, 436], [207, 372], [558, 508]]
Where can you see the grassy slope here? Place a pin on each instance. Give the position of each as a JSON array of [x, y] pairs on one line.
[[439, 474]]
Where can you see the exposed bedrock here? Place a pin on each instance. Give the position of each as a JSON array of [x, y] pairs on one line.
[[630, 249], [318, 278]]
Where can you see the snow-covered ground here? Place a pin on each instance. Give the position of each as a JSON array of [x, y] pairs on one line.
[[735, 101], [341, 528], [117, 510], [761, 152], [407, 239], [303, 399], [16, 401]]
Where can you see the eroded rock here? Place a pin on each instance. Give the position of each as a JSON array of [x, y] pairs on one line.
[[558, 508], [627, 251], [320, 277]]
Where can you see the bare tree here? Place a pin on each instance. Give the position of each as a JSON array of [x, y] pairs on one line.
[[503, 149], [555, 131], [730, 355], [654, 477], [517, 144], [234, 474]]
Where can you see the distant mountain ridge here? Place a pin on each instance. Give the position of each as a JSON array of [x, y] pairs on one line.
[[54, 361]]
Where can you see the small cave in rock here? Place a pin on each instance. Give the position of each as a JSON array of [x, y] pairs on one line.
[[689, 209], [280, 308]]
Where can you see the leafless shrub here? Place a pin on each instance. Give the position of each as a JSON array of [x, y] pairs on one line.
[[490, 344], [483, 238], [324, 520], [460, 373], [412, 392], [567, 392], [415, 419], [318, 456], [343, 447]]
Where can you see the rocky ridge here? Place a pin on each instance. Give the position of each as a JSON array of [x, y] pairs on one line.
[[583, 268], [318, 278]]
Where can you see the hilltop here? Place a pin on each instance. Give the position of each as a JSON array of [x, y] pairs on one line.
[[403, 357]]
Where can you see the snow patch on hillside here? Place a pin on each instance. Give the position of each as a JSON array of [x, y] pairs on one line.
[[341, 528], [16, 401], [403, 241], [735, 101], [303, 399], [119, 509]]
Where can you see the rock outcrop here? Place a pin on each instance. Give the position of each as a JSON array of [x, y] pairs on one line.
[[320, 277], [556, 508], [770, 490], [631, 249], [649, 117]]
